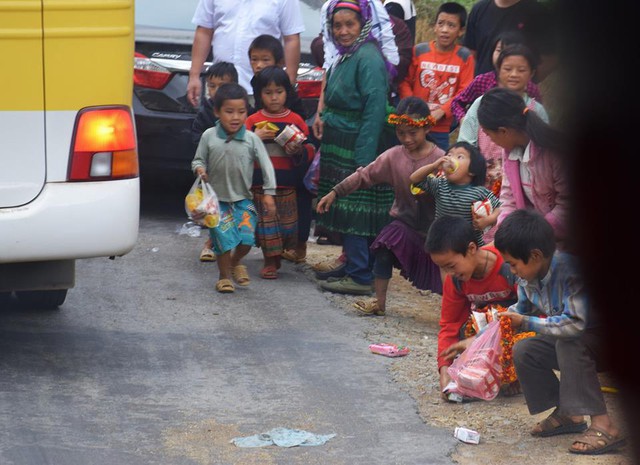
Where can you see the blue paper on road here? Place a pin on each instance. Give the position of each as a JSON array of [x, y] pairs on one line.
[[283, 437]]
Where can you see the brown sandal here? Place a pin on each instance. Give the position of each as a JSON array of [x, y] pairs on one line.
[[292, 256], [240, 275], [597, 442], [556, 424], [369, 307]]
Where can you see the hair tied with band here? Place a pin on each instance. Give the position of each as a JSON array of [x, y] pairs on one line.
[[525, 111]]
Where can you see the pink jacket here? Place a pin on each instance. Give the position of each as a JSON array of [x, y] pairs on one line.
[[549, 185]]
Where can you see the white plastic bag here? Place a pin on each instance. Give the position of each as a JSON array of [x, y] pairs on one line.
[[201, 204]]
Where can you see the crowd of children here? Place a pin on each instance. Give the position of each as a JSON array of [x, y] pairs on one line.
[[504, 176]]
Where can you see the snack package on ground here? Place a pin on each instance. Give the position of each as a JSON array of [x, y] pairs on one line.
[[477, 371], [291, 135], [201, 204], [389, 350]]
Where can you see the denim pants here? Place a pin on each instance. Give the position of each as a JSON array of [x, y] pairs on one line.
[[441, 139], [359, 260]]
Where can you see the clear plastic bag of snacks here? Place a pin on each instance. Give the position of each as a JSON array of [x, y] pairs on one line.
[[201, 204]]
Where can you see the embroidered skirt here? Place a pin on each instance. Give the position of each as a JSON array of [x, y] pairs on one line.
[[362, 213], [274, 234]]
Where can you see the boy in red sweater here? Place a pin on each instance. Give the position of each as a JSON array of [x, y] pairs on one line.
[[440, 70], [475, 278]]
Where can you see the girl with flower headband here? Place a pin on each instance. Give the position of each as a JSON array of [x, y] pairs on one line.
[[400, 243], [351, 127]]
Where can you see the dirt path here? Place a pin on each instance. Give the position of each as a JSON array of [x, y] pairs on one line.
[[412, 320]]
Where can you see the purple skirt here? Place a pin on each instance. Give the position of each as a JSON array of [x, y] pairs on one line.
[[407, 245]]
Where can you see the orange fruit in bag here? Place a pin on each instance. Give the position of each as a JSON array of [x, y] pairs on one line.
[[192, 201], [211, 221]]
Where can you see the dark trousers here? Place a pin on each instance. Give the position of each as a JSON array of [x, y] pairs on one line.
[[359, 260], [304, 199], [578, 390]]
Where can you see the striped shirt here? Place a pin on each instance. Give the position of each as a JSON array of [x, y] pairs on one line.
[[560, 295], [455, 200]]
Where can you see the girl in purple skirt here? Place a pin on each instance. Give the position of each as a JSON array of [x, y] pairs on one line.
[[400, 243]]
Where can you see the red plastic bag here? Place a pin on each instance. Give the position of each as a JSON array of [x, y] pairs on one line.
[[477, 371]]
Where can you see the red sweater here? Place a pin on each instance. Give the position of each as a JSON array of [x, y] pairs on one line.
[[498, 287], [289, 169], [437, 77]]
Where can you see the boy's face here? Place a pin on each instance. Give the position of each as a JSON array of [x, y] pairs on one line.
[[448, 31], [213, 82], [457, 265], [533, 269], [232, 115], [260, 59]]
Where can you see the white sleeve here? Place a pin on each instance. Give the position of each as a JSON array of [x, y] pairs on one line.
[[291, 18], [330, 50], [382, 30], [203, 15]]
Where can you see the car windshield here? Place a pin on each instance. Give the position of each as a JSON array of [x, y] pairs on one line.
[[169, 14]]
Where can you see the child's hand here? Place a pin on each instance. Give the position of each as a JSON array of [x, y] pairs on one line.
[[454, 349], [264, 133], [438, 114], [444, 380], [293, 149], [268, 205], [481, 222], [515, 317], [325, 202]]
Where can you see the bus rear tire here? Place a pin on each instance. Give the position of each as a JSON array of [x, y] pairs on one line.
[[42, 299]]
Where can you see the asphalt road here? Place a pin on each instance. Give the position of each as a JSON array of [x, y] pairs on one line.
[[146, 364]]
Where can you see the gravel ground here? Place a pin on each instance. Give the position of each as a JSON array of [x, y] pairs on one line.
[[412, 320]]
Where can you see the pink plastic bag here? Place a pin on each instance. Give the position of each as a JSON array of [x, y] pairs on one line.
[[477, 371]]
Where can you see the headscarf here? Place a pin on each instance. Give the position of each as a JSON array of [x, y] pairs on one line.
[[363, 9]]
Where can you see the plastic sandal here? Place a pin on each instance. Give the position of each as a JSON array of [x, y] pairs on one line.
[[225, 286], [207, 255], [240, 275], [368, 307], [269, 272], [292, 256]]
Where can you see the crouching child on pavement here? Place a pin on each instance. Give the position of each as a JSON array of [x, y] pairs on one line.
[[567, 339]]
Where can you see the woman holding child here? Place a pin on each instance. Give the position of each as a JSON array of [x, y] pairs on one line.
[[351, 125]]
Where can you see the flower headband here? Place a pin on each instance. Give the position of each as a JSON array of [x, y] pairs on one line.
[[396, 120]]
